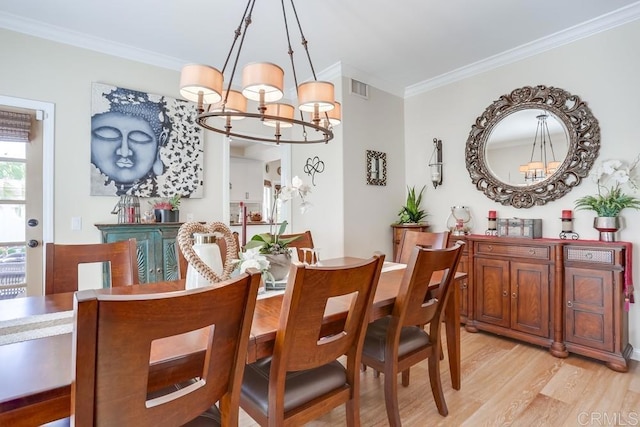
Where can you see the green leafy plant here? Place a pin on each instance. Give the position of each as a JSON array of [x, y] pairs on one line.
[[167, 203], [610, 200], [271, 243], [411, 211]]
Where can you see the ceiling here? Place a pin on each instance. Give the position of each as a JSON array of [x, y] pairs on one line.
[[400, 47]]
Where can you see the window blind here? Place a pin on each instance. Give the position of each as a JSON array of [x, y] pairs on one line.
[[14, 127]]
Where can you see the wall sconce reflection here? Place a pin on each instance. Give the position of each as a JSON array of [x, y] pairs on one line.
[[435, 163]]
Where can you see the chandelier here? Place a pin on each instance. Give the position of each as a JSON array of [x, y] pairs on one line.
[[542, 166], [262, 82]]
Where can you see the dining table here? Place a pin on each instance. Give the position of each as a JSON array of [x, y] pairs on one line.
[[36, 373]]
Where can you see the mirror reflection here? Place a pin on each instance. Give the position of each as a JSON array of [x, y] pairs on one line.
[[526, 147]]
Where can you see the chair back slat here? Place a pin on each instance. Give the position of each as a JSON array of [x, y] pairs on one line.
[[412, 238], [125, 329], [301, 342], [413, 307], [304, 240], [62, 263]]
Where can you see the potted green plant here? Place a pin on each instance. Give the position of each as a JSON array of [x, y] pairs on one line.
[[610, 200], [167, 209], [411, 213]]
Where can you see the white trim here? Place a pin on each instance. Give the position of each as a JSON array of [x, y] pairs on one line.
[[51, 32], [635, 354], [572, 34]]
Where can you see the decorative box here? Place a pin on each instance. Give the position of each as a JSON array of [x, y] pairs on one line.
[[520, 227]]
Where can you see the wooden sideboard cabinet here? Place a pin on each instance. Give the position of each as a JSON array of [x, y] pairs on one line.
[[157, 260], [562, 294], [596, 323], [512, 281]]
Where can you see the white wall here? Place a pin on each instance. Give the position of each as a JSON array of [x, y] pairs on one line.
[[602, 70]]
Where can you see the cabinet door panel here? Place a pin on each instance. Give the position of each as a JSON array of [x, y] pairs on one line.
[[589, 307], [169, 259], [144, 242], [530, 298], [492, 291]]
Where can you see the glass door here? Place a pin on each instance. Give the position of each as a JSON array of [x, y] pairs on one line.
[[21, 195]]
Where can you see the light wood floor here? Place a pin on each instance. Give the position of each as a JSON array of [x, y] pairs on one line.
[[506, 383]]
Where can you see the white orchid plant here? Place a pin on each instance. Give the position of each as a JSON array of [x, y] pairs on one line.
[[610, 175], [272, 243], [251, 258]]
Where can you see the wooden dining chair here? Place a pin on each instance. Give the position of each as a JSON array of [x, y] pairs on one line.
[[394, 343], [303, 379], [304, 240], [62, 263], [412, 238], [115, 337]]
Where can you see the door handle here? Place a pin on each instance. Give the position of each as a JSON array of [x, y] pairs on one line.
[[32, 222], [33, 243]]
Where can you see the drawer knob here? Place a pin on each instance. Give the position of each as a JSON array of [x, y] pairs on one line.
[[569, 304], [489, 248], [532, 251], [505, 293], [514, 295], [588, 255]]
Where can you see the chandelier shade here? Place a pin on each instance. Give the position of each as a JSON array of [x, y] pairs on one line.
[[284, 113], [316, 96], [262, 82], [201, 80], [335, 116], [235, 103]]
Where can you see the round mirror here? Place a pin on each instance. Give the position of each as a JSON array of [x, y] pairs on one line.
[[532, 146]]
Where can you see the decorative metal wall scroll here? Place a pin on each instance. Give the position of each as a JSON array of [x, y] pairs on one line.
[[312, 167], [376, 168]]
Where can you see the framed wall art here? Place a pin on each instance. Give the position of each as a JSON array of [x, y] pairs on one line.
[[144, 145], [376, 168]]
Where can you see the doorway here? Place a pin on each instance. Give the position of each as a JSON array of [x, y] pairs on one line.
[[26, 189]]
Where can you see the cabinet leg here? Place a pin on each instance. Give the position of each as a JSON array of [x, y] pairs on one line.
[[558, 349]]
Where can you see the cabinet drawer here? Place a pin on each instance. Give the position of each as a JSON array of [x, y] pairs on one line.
[[590, 255], [523, 251]]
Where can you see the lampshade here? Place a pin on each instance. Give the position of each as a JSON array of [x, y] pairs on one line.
[[285, 111], [536, 166], [552, 167], [335, 115], [236, 103], [523, 168], [263, 76], [316, 93], [196, 79]]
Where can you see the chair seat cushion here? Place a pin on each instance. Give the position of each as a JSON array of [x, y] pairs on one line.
[[411, 338], [300, 386]]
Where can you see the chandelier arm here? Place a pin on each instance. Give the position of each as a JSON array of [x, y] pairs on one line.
[[237, 34], [247, 21], [553, 154], [304, 41], [533, 149]]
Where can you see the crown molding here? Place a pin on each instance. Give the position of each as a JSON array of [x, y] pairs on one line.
[[50, 32], [586, 29]]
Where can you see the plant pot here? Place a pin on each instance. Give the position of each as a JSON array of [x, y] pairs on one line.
[[607, 226], [167, 215], [279, 265]]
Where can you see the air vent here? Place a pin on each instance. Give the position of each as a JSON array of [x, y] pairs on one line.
[[360, 89]]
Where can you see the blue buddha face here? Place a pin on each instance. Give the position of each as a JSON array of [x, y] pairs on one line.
[[123, 147]]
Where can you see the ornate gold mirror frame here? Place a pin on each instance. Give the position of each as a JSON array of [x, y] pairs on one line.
[[583, 133]]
